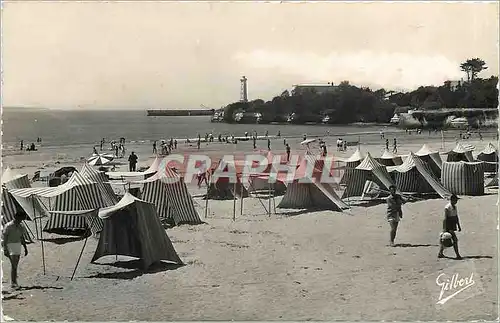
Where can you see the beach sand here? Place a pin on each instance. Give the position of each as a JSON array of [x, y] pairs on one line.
[[287, 266]]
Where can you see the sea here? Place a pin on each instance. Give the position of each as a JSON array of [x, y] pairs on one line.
[[68, 128]]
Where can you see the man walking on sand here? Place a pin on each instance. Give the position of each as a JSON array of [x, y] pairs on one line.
[[450, 225], [12, 242], [394, 212], [132, 161]]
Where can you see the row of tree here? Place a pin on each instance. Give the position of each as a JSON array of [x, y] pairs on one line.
[[347, 103]]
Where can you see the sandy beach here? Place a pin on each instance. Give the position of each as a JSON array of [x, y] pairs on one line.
[[291, 265]]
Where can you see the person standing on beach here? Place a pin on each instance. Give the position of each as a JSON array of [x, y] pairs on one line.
[[387, 144], [287, 146], [268, 144], [12, 242], [132, 161], [450, 224], [254, 142], [154, 147], [394, 212], [395, 146], [22, 144]]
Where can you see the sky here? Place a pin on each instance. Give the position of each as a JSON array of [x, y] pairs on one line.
[[173, 55]]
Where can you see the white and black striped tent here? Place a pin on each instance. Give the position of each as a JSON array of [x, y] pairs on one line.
[[168, 192], [371, 170], [31, 205], [489, 155], [307, 191], [9, 209], [461, 152], [351, 163], [78, 193], [414, 176], [221, 188], [102, 182], [493, 182], [62, 222], [132, 228], [463, 178], [389, 159], [431, 158]]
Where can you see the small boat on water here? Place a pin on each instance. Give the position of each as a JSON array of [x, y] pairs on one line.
[[395, 119], [461, 122], [325, 119]]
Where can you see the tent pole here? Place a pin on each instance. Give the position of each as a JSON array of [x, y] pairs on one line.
[[234, 199], [34, 217], [269, 187], [206, 197], [80, 256], [241, 194]]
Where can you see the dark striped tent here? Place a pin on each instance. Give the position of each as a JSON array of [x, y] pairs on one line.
[[493, 182], [308, 192], [78, 193], [31, 204], [221, 188], [489, 155], [414, 176], [168, 192], [350, 164], [389, 159], [132, 228], [371, 170], [260, 182], [102, 182], [431, 158], [68, 222], [9, 209], [463, 178], [461, 152]]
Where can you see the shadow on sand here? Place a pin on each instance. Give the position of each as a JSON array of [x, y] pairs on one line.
[[136, 272], [409, 245], [38, 287], [64, 240]]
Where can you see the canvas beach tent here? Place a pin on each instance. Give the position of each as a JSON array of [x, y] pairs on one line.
[[493, 182], [414, 176], [259, 182], [137, 175], [489, 155], [431, 158], [81, 221], [132, 228], [102, 182], [463, 178], [461, 152], [171, 198], [307, 191], [389, 159], [9, 209], [31, 204], [78, 193], [351, 163], [221, 188], [371, 170]]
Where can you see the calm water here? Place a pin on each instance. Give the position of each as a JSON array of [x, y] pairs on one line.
[[61, 128]]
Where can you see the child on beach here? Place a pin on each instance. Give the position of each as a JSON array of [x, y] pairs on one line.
[[450, 225], [12, 242]]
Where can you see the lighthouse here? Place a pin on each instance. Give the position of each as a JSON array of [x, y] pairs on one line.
[[244, 91]]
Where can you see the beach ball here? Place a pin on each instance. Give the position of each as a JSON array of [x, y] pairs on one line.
[[446, 239]]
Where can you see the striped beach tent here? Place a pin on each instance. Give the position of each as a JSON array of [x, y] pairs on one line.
[[489, 155], [132, 228], [461, 152], [493, 182], [9, 209], [260, 181], [63, 222], [351, 163], [78, 193], [222, 188], [139, 175], [389, 159], [431, 158], [102, 182], [307, 191], [463, 178], [369, 169], [31, 204], [414, 176], [168, 192]]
